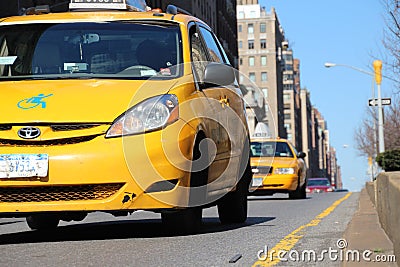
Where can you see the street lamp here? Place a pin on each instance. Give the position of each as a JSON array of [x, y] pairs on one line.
[[378, 77]]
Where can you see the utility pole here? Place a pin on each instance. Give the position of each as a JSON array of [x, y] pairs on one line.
[[378, 79]]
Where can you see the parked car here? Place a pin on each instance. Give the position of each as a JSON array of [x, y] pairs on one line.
[[114, 110], [277, 168], [319, 185]]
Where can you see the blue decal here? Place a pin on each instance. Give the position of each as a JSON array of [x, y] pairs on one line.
[[33, 102]]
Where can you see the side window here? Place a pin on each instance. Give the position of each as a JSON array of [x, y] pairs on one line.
[[198, 54], [213, 47]]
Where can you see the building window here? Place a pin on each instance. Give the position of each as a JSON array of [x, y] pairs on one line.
[[240, 28], [263, 76], [263, 27], [288, 67], [251, 44], [286, 116], [286, 106], [241, 15], [241, 78], [250, 28], [240, 44], [288, 126], [240, 61], [252, 76], [263, 60], [263, 43], [287, 77], [252, 14], [286, 97], [288, 87], [290, 137], [251, 61]]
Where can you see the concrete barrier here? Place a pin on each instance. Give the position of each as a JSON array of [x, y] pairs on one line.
[[388, 206], [370, 186]]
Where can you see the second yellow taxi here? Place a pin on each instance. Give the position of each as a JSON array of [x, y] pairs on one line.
[[277, 168]]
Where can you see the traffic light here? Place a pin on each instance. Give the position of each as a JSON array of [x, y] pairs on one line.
[[378, 71]]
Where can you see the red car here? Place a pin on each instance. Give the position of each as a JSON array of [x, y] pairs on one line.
[[318, 185]]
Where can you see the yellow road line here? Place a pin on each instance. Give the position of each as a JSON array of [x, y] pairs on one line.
[[291, 239]]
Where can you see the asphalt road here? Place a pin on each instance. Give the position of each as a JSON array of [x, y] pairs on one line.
[[316, 223]]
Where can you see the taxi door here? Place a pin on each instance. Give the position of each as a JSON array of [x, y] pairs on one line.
[[224, 172]]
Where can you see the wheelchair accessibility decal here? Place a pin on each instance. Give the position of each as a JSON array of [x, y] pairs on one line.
[[33, 101]]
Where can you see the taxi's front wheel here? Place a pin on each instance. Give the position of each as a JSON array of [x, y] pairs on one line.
[[43, 221], [186, 221]]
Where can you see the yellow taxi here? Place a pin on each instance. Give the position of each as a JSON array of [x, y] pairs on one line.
[[277, 168], [119, 109]]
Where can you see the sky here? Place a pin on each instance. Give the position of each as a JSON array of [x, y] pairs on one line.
[[348, 32]]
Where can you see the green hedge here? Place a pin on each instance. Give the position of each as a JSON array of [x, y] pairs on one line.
[[389, 160]]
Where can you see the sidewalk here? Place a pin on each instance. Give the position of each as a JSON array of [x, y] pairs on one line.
[[364, 232]]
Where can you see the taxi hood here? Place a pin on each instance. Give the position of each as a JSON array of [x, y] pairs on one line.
[[77, 101]]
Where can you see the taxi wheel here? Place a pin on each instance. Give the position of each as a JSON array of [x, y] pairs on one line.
[[233, 206], [43, 221], [299, 193], [187, 221]]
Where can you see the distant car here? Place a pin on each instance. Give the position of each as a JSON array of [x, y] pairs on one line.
[[277, 168], [319, 185]]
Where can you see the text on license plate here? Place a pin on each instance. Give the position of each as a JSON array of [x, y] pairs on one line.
[[23, 165]]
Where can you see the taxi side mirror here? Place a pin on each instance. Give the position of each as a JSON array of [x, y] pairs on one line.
[[217, 74], [301, 155]]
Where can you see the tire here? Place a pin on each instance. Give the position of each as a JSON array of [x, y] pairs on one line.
[[299, 193], [233, 206], [187, 221], [44, 221]]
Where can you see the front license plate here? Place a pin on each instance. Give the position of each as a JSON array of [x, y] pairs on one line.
[[257, 182], [23, 165]]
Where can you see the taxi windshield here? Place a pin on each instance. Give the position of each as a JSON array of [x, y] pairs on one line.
[[270, 149], [117, 50]]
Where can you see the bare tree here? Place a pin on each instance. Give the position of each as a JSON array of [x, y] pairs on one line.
[[365, 138], [391, 39]]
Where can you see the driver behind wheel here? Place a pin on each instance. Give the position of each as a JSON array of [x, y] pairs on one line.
[[155, 55]]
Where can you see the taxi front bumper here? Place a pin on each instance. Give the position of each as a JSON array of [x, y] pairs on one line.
[[274, 182], [139, 172]]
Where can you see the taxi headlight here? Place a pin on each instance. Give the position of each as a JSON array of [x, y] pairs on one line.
[[150, 115], [284, 171]]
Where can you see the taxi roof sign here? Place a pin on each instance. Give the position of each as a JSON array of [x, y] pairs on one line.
[[135, 5], [97, 4]]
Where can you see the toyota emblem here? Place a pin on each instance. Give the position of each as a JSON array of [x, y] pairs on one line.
[[29, 132]]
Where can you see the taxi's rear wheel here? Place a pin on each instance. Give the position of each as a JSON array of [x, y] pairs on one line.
[[232, 208], [43, 221]]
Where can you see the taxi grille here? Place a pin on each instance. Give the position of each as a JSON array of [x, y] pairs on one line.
[[58, 193], [72, 127], [5, 127], [54, 142], [263, 169]]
